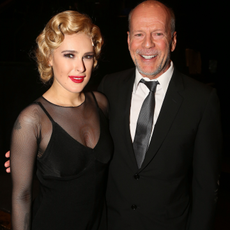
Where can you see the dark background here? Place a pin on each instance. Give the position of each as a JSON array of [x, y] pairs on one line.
[[201, 27]]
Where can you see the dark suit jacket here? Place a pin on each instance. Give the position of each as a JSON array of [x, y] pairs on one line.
[[176, 187]]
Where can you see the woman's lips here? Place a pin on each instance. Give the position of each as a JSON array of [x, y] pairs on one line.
[[77, 79]]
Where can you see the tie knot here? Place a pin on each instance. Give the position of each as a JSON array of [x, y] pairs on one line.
[[150, 84]]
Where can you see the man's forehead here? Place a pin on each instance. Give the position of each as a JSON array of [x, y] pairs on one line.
[[151, 11], [145, 22], [148, 21], [150, 17]]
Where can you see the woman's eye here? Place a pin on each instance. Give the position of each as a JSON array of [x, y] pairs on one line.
[[69, 55], [89, 56]]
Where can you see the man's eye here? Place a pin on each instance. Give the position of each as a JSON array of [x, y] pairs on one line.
[[158, 34]]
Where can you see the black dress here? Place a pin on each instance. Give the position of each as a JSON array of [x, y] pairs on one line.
[[72, 175]]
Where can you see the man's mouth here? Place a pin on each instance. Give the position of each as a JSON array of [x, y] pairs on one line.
[[148, 56]]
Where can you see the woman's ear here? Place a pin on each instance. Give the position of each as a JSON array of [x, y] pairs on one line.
[[50, 60]]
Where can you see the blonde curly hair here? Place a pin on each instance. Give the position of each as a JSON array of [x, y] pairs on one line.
[[67, 22]]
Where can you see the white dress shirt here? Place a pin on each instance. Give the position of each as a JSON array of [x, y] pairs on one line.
[[141, 91]]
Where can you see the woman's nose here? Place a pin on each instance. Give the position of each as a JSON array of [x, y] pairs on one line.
[[80, 66]]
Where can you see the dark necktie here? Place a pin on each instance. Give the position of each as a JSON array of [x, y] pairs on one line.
[[144, 123]]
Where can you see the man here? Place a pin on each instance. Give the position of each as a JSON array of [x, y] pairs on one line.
[[174, 186]]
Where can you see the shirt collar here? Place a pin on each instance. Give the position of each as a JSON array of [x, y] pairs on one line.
[[163, 79]]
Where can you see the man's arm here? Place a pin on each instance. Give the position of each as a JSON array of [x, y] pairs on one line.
[[206, 166], [101, 86]]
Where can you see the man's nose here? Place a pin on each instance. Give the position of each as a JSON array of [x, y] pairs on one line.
[[148, 41]]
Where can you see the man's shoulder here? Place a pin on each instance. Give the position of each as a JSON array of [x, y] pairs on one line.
[[123, 72], [121, 75], [190, 83], [112, 82]]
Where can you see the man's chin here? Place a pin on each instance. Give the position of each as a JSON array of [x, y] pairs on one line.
[[148, 73]]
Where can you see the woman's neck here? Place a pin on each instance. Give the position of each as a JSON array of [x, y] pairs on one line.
[[64, 97]]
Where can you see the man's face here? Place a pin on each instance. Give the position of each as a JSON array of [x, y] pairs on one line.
[[150, 41]]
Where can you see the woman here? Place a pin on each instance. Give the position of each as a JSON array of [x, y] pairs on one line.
[[64, 133]]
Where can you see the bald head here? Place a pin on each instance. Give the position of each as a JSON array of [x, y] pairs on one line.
[[151, 7]]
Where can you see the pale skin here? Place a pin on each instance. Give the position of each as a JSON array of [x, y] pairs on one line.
[[73, 59]]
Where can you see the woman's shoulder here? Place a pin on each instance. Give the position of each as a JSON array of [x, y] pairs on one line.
[[31, 114]]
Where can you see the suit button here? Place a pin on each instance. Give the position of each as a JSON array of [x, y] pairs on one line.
[[133, 207], [137, 176]]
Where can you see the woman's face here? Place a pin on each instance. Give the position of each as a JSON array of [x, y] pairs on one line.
[[72, 63]]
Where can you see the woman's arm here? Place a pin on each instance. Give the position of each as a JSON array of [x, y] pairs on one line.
[[23, 154]]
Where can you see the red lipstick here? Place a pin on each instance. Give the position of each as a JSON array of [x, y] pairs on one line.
[[77, 79]]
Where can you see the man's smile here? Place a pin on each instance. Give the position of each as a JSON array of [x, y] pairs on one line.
[[148, 56]]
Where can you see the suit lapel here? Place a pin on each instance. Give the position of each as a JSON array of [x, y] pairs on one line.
[[169, 109]]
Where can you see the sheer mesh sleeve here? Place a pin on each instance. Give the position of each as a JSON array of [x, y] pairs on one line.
[[23, 154], [102, 103]]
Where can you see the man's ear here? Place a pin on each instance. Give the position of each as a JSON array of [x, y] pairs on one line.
[[174, 41], [128, 39]]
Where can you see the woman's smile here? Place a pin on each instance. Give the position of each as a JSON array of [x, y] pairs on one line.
[[77, 79]]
